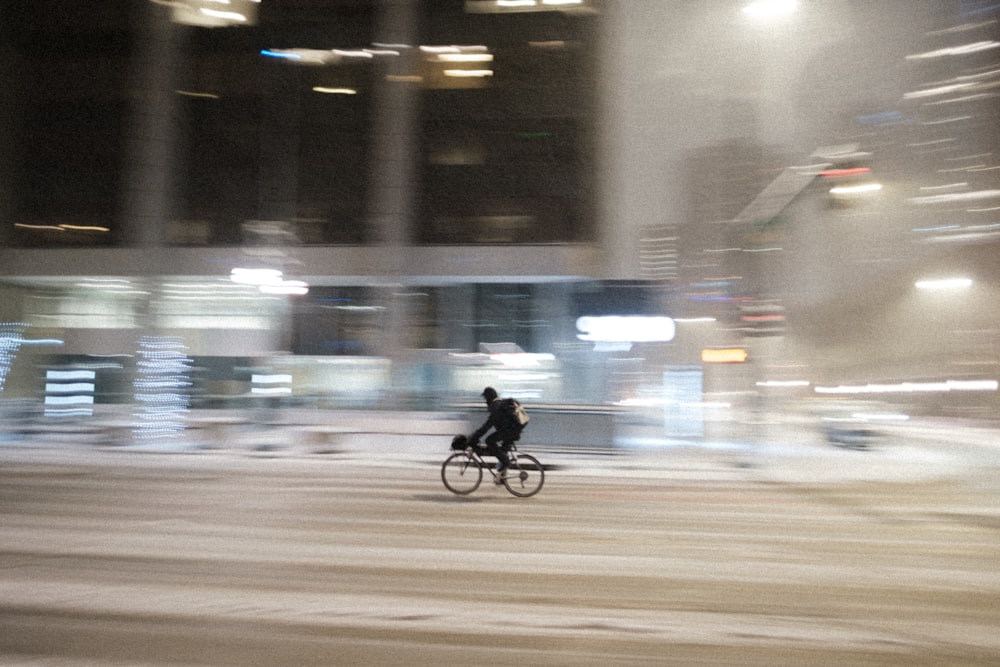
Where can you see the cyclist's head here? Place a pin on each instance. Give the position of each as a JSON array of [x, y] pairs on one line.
[[489, 393]]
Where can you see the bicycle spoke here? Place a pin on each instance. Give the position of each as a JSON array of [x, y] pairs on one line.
[[461, 473], [525, 476]]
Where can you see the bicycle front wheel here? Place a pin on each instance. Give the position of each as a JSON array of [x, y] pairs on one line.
[[525, 476], [461, 473]]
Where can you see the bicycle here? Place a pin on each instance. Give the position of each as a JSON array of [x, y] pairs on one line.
[[462, 472]]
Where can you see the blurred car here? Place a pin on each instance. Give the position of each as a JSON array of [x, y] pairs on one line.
[[857, 425]]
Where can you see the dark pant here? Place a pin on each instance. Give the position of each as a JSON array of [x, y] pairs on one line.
[[498, 444]]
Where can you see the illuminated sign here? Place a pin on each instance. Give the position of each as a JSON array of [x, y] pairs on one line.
[[625, 329], [730, 355]]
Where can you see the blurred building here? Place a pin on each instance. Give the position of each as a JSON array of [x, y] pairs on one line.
[[394, 202]]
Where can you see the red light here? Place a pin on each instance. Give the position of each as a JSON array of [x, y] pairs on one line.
[[762, 318], [840, 173]]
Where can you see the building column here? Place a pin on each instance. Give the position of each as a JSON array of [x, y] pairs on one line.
[[390, 216], [146, 201]]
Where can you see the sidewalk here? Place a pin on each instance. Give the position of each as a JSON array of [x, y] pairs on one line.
[[788, 455]]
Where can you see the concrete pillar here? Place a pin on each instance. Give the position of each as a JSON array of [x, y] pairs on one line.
[[390, 217], [152, 132]]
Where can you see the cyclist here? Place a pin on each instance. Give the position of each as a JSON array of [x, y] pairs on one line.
[[498, 443]]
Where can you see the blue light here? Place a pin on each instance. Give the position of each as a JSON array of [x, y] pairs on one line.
[[280, 54]]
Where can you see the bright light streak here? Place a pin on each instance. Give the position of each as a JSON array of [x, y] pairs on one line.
[[468, 73], [255, 276], [940, 90], [85, 228], [957, 196], [70, 375], [26, 225], [945, 283], [335, 91], [453, 48], [856, 189], [11, 338], [274, 378], [356, 53], [285, 287], [192, 93], [770, 9], [268, 281], [274, 384], [955, 50], [521, 359], [733, 355], [881, 416], [625, 329], [160, 387], [280, 54], [912, 387], [783, 383], [837, 173], [466, 57], [229, 16]]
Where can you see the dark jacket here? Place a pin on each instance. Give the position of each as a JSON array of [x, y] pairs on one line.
[[493, 420]]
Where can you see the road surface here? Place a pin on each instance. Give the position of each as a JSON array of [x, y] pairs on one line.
[[233, 559]]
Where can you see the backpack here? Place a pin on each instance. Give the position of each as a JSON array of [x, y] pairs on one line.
[[513, 414]]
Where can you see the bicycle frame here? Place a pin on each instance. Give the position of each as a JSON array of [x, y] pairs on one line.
[[462, 472]]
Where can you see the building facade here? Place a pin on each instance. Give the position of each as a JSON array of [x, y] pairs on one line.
[[393, 202]]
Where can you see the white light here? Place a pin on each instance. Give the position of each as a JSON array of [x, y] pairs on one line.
[[229, 16], [955, 50], [881, 416], [466, 57], [70, 375], [271, 391], [334, 91], [279, 378], [68, 387], [783, 383], [521, 359], [956, 197], [945, 283], [856, 189], [625, 329], [770, 9], [912, 387], [255, 276], [468, 73], [285, 287]]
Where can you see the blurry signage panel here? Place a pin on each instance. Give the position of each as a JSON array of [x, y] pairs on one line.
[[732, 355], [683, 415], [69, 393], [631, 328]]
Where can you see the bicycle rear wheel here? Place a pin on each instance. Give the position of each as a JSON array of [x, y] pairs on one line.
[[525, 476], [461, 473]]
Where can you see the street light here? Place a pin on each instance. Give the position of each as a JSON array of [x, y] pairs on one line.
[[944, 283], [768, 10]]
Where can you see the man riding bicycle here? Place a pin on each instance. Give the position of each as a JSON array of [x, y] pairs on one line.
[[507, 432]]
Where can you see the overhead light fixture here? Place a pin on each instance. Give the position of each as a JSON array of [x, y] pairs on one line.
[[944, 283]]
